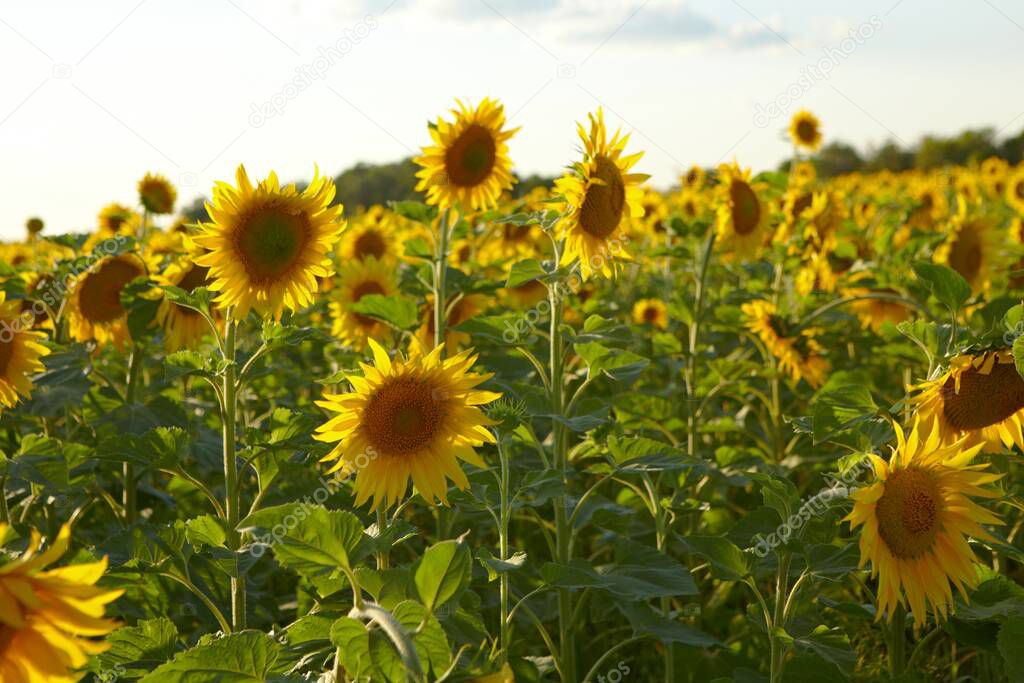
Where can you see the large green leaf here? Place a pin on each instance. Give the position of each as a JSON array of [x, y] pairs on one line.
[[442, 572], [245, 657]]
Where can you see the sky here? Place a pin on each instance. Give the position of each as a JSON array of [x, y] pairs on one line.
[[94, 95]]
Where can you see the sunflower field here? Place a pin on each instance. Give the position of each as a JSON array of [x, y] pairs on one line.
[[756, 428]]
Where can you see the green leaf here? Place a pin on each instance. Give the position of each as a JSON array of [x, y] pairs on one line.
[[832, 645], [245, 657], [206, 530], [728, 562], [64, 383], [352, 639], [494, 566], [140, 648], [1011, 634], [841, 409], [947, 285], [394, 310], [309, 539], [427, 635], [1018, 355], [525, 271], [643, 619], [443, 571]]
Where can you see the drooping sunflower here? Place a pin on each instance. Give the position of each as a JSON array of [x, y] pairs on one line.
[[916, 519], [184, 328], [373, 233], [1015, 189], [468, 163], [466, 307], [268, 244], [805, 130], [95, 312], [114, 218], [48, 617], [356, 280], [412, 417], [980, 398], [20, 352], [742, 218], [34, 226], [157, 194], [799, 354], [972, 247], [652, 312], [601, 198]]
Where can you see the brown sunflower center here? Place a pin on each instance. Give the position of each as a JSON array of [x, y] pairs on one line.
[[404, 415], [471, 157], [983, 400], [966, 255], [270, 241], [361, 290], [100, 293], [746, 208], [370, 243], [650, 314], [806, 131], [908, 512], [1018, 189], [515, 233], [604, 201]]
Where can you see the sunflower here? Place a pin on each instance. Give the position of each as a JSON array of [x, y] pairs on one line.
[[691, 205], [816, 274], [373, 233], [994, 172], [601, 197], [805, 130], [916, 518], [20, 352], [47, 616], [742, 218], [157, 194], [972, 248], [979, 398], [694, 178], [465, 307], [268, 244], [802, 174], [652, 312], [356, 280], [95, 312], [116, 219], [799, 354], [874, 313], [184, 328], [34, 226], [468, 163], [1015, 189], [412, 417]]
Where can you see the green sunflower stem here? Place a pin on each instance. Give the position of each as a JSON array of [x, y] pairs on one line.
[[504, 515], [898, 641], [129, 495], [778, 648], [563, 530], [440, 304], [231, 490]]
